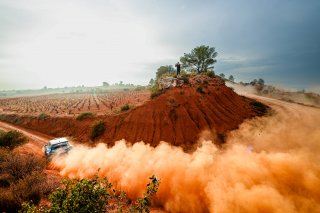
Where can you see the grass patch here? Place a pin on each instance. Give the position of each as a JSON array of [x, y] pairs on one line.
[[97, 129], [85, 115]]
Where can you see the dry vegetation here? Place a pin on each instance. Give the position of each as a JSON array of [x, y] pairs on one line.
[[21, 179]]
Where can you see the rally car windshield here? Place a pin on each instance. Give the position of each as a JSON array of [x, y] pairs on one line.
[[59, 145]]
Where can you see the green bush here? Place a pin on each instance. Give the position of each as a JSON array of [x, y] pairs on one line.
[[85, 115], [143, 204], [11, 118], [211, 74], [43, 116], [97, 129], [11, 139], [81, 196], [125, 107]]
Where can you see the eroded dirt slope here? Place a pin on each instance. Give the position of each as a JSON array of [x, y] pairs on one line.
[[180, 114]]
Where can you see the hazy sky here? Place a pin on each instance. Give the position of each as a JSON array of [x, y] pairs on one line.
[[59, 43]]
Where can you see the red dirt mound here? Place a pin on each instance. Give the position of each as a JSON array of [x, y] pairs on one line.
[[181, 113], [177, 116]]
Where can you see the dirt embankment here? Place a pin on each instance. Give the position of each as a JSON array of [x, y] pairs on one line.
[[178, 116]]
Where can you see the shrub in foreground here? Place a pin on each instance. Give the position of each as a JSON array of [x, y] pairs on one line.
[[94, 195], [21, 179], [81, 196], [18, 166]]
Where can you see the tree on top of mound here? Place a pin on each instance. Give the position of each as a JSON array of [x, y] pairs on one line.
[[201, 58]]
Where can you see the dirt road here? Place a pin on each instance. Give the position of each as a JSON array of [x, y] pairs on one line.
[[297, 111]]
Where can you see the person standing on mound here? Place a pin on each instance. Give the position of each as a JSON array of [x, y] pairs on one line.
[[178, 68]]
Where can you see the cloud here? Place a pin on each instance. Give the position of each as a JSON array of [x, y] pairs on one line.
[[274, 40]]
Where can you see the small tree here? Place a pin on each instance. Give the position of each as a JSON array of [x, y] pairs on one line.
[[231, 78], [222, 76], [261, 81], [168, 69], [258, 84], [105, 84], [151, 82], [201, 58], [254, 82]]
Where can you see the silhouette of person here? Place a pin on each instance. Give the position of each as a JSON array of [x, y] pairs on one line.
[[178, 68]]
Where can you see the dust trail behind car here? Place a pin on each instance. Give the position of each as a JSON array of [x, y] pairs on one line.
[[270, 164]]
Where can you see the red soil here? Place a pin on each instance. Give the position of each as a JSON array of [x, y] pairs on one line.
[[177, 116]]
